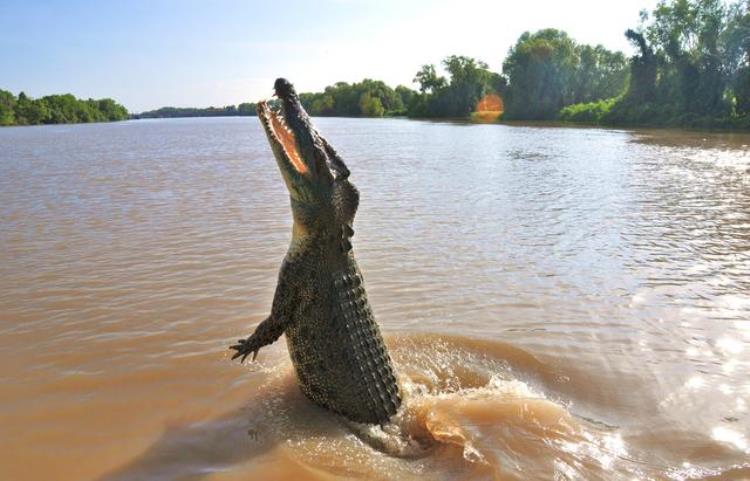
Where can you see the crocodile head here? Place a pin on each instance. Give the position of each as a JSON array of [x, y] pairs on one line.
[[323, 200]]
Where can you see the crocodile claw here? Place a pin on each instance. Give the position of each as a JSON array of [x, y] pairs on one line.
[[244, 348]]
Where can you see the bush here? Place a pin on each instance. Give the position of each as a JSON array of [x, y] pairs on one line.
[[588, 113], [625, 111]]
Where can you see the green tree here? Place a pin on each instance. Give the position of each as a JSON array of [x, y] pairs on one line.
[[7, 103], [642, 70], [246, 109], [541, 67], [468, 81], [388, 97], [428, 79], [63, 109], [323, 105], [406, 95], [599, 74], [370, 106], [30, 112], [737, 42], [689, 34], [111, 110], [366, 98]]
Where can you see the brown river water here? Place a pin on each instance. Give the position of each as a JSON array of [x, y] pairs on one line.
[[560, 303]]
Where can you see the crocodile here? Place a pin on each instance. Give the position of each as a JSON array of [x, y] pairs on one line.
[[320, 303]]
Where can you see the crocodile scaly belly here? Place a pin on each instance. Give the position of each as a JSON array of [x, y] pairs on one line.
[[340, 357]]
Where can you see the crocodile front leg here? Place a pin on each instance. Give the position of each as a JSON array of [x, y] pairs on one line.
[[289, 297]]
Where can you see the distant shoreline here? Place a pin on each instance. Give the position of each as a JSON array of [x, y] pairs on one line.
[[512, 123], [465, 121]]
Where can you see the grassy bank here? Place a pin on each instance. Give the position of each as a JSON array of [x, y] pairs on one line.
[[622, 112]]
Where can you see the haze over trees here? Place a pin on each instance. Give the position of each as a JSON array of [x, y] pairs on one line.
[[57, 109]]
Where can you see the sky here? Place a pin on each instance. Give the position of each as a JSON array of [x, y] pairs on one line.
[[149, 54]]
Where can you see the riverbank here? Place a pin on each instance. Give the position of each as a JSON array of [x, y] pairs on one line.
[[476, 121], [624, 112]]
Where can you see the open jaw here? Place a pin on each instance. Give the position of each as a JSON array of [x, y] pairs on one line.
[[281, 136]]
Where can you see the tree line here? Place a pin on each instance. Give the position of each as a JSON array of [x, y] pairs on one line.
[[56, 109], [368, 98], [456, 95], [453, 95], [243, 109], [544, 72], [692, 68]]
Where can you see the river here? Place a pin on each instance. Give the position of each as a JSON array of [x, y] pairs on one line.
[[560, 303]]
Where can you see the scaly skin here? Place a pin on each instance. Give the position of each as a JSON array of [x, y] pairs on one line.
[[320, 302]]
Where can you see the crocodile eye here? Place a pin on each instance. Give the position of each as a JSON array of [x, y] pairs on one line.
[[320, 156]]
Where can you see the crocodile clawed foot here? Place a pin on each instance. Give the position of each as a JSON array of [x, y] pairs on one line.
[[244, 348]]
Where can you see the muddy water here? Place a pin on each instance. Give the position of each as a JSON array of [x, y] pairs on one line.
[[560, 303]]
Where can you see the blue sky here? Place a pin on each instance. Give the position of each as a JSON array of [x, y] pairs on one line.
[[148, 54]]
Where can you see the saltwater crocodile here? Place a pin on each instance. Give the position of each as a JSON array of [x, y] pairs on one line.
[[320, 302]]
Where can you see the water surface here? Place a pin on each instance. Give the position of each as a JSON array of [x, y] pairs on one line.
[[561, 303]]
